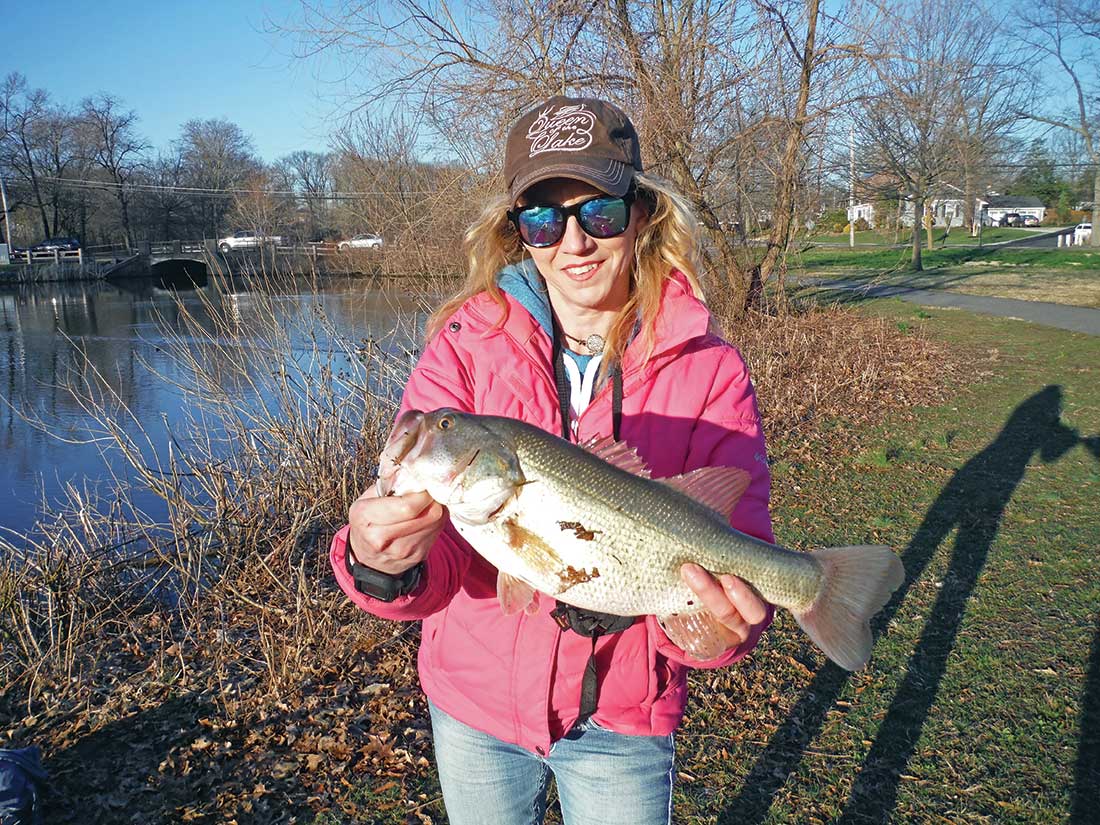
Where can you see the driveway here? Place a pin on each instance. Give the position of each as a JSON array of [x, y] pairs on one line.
[[1075, 319]]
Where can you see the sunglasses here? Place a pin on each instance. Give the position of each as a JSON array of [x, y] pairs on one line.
[[542, 225]]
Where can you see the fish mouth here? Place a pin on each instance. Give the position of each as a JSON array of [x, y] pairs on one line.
[[405, 435]]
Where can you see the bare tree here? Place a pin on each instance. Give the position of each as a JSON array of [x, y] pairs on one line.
[[165, 207], [1068, 34], [22, 113], [713, 86], [910, 126], [310, 175], [218, 157], [116, 147], [989, 101], [258, 206], [420, 208]]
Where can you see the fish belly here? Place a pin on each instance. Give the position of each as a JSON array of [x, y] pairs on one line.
[[587, 554]]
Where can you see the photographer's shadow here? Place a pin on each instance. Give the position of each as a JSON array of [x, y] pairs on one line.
[[973, 503]]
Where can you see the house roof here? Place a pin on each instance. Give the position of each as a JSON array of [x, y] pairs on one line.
[[1013, 201]]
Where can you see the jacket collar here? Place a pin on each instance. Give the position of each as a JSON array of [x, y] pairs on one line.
[[681, 316]]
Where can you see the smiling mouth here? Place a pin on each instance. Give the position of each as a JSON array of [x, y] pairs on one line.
[[580, 273]]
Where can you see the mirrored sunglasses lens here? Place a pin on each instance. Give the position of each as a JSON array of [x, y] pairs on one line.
[[604, 217], [540, 225]]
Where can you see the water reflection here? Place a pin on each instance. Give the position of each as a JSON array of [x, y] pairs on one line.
[[50, 334]]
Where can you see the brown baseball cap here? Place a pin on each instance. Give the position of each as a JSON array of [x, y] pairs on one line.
[[573, 137]]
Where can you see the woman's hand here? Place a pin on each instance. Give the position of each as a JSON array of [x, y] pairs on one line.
[[392, 533], [732, 602]]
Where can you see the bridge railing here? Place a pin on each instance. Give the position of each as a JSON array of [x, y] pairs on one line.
[[26, 256]]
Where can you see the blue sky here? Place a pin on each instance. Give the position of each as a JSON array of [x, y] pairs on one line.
[[174, 61]]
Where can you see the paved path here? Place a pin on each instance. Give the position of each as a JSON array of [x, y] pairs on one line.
[[1076, 319]]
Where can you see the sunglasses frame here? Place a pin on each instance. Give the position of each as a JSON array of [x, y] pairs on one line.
[[574, 211]]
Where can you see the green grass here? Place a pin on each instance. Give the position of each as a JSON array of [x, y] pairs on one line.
[[974, 708], [871, 259], [982, 700], [957, 236]]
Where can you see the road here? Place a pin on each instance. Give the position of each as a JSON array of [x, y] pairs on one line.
[[1075, 319]]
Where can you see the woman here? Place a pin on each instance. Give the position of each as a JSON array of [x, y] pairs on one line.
[[581, 314]]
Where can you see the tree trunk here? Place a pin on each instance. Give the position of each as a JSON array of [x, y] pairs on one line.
[[125, 208], [969, 203], [1094, 241], [918, 214], [929, 222], [774, 261]]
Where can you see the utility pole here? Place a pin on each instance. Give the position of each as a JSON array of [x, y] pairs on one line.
[[852, 187], [7, 215]]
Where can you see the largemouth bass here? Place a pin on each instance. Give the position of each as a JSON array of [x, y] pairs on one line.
[[586, 525]]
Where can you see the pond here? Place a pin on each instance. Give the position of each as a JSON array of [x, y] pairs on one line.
[[127, 337]]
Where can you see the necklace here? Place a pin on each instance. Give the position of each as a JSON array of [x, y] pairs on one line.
[[593, 343]]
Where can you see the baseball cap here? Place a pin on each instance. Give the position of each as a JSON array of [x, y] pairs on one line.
[[570, 137]]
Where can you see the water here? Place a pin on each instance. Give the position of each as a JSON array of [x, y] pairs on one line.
[[51, 333]]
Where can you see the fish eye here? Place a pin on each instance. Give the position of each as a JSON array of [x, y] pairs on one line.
[[445, 423]]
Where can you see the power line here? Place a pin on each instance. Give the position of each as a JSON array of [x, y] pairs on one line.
[[201, 191]]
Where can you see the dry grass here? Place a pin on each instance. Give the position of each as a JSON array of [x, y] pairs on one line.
[[206, 668]]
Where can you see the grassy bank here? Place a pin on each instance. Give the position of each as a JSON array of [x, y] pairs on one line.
[[1066, 276], [957, 236], [981, 704], [266, 697]]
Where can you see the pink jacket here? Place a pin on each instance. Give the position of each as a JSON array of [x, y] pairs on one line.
[[518, 677]]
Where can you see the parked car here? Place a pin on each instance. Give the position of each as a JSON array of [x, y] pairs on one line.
[[1082, 232], [1011, 219], [245, 240], [1031, 220], [364, 241], [50, 244]]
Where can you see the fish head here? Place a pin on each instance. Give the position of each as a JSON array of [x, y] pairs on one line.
[[458, 460]]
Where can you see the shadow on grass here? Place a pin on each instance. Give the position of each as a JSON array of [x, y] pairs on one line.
[[973, 501], [1086, 780]]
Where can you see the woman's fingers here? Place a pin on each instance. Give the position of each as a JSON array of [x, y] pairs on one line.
[[744, 598], [728, 598], [393, 533]]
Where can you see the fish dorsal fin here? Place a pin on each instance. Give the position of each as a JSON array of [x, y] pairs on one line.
[[618, 453], [719, 488]]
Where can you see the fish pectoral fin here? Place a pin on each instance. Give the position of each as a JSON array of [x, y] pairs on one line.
[[719, 488], [700, 634], [516, 595]]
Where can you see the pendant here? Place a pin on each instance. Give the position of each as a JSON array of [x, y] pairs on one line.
[[594, 343]]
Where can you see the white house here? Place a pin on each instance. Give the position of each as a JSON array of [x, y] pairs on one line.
[[946, 211], [997, 206], [950, 212]]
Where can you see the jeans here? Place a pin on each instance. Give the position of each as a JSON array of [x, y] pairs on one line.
[[603, 778]]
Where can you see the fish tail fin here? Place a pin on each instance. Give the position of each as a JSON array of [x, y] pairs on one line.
[[858, 581]]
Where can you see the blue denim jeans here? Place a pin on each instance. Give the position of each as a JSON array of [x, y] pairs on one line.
[[603, 778]]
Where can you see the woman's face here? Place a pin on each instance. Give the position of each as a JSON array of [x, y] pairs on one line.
[[583, 273]]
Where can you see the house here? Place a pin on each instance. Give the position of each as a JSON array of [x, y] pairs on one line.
[[950, 211], [994, 207], [945, 211]]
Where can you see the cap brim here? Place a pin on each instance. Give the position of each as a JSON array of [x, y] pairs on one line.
[[611, 176]]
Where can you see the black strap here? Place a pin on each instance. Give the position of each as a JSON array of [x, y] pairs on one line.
[[593, 625]]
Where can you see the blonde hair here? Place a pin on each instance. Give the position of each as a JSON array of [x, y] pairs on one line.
[[668, 242]]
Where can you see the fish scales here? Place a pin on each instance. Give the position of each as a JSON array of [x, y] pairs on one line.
[[555, 518], [643, 531]]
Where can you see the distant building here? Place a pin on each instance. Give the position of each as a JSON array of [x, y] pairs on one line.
[[997, 206], [951, 212]]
